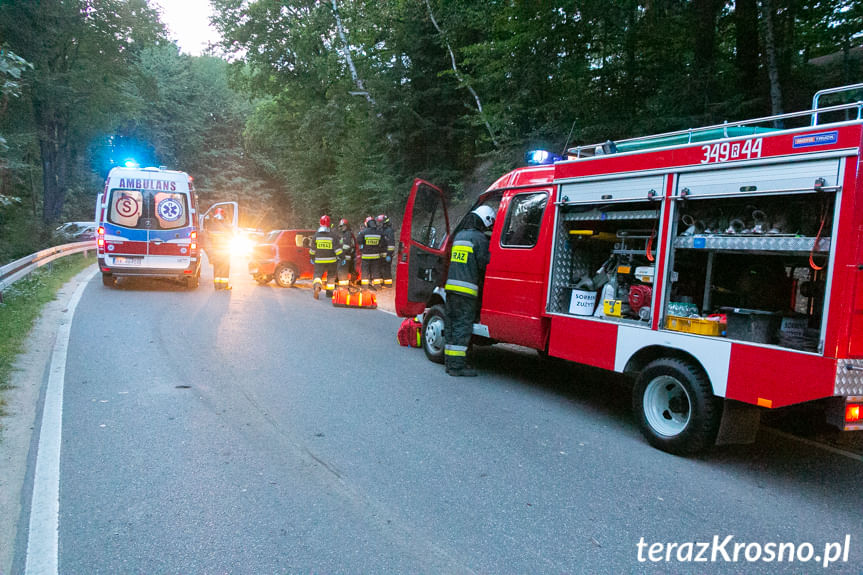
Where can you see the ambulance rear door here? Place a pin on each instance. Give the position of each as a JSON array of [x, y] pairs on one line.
[[148, 229], [125, 225]]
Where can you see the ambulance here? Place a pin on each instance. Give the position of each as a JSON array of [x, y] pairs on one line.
[[147, 226]]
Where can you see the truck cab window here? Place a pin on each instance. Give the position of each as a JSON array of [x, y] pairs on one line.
[[523, 220], [429, 218]]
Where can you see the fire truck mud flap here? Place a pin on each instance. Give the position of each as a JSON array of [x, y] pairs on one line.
[[740, 423]]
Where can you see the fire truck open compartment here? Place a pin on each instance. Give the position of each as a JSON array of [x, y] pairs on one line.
[[607, 249], [748, 252], [758, 264]]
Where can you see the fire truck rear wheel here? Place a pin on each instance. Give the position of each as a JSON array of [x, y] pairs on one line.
[[108, 280], [675, 406], [286, 275], [434, 325]]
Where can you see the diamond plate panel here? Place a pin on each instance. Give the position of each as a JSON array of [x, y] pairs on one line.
[[573, 259], [849, 377], [754, 243]]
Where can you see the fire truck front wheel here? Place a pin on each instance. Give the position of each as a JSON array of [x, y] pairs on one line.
[[434, 324], [675, 406]]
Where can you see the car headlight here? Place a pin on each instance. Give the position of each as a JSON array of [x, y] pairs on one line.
[[241, 245]]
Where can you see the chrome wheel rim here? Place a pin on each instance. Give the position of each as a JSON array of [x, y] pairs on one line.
[[667, 406], [286, 276], [434, 335]]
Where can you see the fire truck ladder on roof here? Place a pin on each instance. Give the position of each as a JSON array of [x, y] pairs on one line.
[[717, 131]]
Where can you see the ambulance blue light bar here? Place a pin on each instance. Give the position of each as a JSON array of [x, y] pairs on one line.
[[541, 158], [132, 164]]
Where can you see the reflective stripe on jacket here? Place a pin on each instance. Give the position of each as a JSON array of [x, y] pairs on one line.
[[389, 240], [468, 260], [369, 242], [349, 244], [325, 249]]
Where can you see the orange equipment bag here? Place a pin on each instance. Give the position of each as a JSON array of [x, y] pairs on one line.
[[354, 297], [410, 333]]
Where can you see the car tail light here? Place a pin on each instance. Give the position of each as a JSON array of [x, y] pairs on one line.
[[194, 245], [852, 413]]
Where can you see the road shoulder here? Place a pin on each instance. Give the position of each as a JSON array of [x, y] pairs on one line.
[[16, 428]]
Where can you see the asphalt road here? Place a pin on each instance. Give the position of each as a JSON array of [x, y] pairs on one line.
[[261, 431]]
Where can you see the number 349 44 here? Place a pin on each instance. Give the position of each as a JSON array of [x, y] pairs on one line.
[[729, 151]]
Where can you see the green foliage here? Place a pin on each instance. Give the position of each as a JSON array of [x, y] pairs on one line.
[[22, 303], [184, 110], [315, 114]]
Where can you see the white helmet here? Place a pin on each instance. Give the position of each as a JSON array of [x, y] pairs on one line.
[[486, 214]]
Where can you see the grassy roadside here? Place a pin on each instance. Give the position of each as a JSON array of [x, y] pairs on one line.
[[22, 304]]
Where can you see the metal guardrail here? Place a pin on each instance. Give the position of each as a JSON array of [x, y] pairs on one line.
[[14, 271]]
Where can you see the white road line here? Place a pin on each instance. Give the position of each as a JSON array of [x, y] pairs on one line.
[[811, 443], [42, 538]]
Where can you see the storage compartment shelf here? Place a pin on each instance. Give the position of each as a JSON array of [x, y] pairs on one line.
[[602, 216], [752, 243]]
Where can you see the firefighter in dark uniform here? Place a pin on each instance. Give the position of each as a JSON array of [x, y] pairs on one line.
[[325, 252], [469, 258], [348, 243], [369, 241], [218, 247], [387, 255]]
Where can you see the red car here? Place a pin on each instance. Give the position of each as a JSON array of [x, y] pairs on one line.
[[283, 255]]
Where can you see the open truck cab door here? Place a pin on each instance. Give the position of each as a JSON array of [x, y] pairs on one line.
[[232, 213], [423, 248]]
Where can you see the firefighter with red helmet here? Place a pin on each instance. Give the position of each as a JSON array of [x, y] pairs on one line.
[[348, 243], [369, 241], [387, 251], [217, 244], [470, 255], [325, 252]]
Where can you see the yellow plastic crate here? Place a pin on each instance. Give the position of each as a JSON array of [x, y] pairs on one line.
[[694, 325]]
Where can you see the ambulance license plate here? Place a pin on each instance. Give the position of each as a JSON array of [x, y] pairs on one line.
[[121, 260]]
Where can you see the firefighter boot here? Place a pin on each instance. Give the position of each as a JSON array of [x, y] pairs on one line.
[[465, 371], [456, 366]]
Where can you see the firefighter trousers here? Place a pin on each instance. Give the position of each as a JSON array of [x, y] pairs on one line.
[[371, 272], [460, 313], [221, 270], [328, 268], [387, 273], [344, 272]]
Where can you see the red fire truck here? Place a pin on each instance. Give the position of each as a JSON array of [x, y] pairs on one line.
[[722, 267]]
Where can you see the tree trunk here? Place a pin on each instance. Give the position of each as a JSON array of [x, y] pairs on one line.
[[461, 78], [772, 63], [53, 144], [358, 82], [705, 41], [746, 32]]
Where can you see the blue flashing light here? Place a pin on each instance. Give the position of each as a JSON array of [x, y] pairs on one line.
[[541, 158], [131, 164]]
